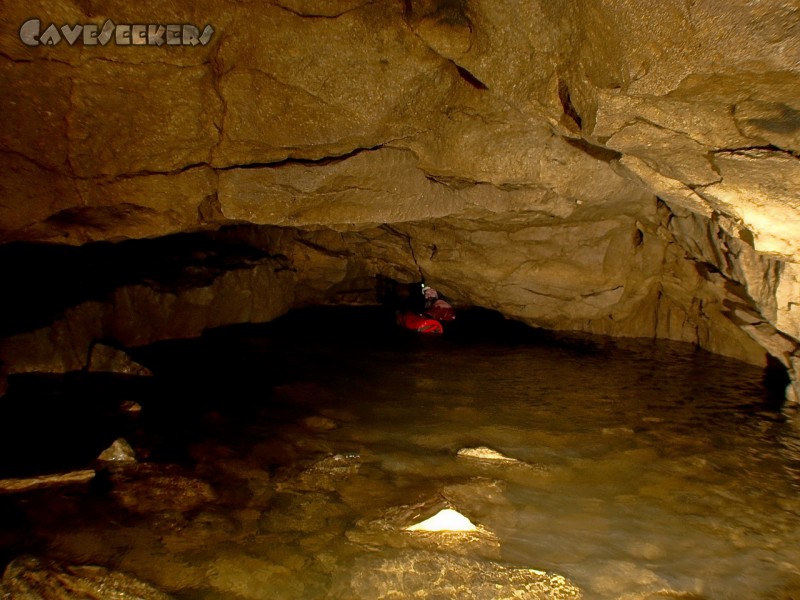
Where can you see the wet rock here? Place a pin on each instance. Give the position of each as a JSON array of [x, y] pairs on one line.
[[304, 512], [119, 452], [249, 577], [485, 501], [609, 581], [488, 463], [484, 453], [240, 483], [395, 528], [10, 486], [277, 549], [171, 572], [327, 474], [32, 578], [107, 359], [429, 575], [364, 492], [148, 489], [207, 528]]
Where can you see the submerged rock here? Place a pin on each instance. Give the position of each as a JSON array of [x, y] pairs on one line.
[[427, 575], [327, 474], [32, 578], [307, 512], [152, 489], [253, 578]]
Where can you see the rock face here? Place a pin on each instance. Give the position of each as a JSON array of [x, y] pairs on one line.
[[616, 169]]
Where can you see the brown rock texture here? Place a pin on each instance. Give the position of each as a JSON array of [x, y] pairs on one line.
[[32, 577], [434, 575], [619, 168]]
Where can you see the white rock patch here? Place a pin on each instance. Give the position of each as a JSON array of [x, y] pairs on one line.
[[484, 453], [445, 520]]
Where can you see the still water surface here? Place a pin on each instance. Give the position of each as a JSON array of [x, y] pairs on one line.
[[650, 467]]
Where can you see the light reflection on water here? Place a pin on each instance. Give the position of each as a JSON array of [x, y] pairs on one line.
[[652, 468]]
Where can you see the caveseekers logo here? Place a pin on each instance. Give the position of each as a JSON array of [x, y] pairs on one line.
[[91, 34]]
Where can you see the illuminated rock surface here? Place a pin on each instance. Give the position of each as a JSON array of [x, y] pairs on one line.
[[446, 519], [484, 453]]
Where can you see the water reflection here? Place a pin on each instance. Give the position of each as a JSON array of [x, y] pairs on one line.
[[644, 469]]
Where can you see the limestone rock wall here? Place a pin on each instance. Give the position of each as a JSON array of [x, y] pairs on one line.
[[513, 153]]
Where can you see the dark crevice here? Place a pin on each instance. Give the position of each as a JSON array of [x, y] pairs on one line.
[[322, 161], [763, 148], [451, 181], [39, 165], [470, 78], [776, 378], [323, 250], [145, 173], [598, 152], [325, 160], [21, 60], [566, 103], [106, 179], [407, 238], [408, 9]]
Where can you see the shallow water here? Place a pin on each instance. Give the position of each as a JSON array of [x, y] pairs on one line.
[[648, 467]]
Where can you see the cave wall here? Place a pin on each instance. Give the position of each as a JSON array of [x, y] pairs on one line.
[[616, 168]]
